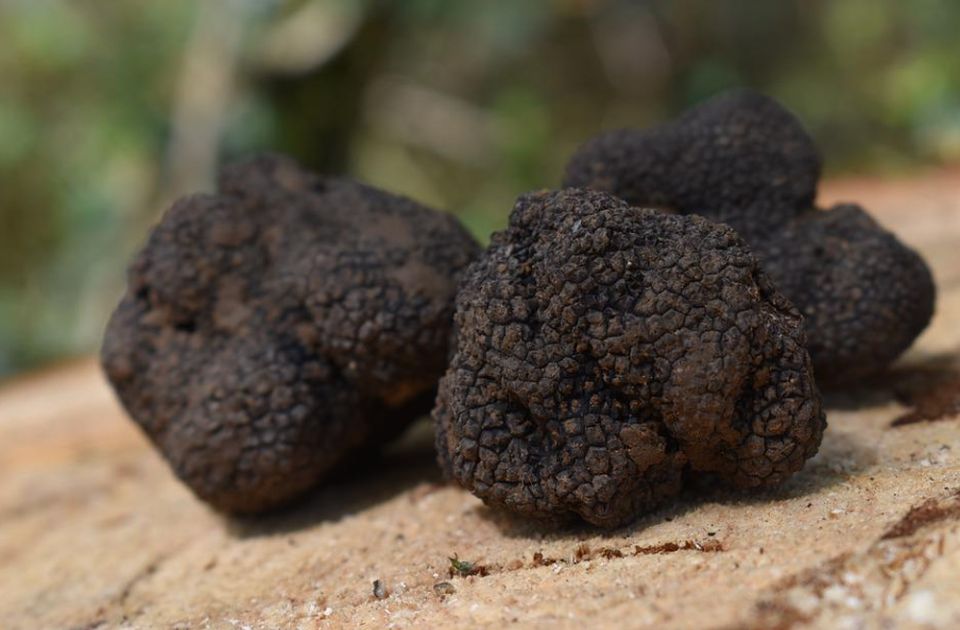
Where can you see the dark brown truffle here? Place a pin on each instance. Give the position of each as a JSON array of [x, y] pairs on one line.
[[273, 327], [742, 159], [604, 351], [867, 296]]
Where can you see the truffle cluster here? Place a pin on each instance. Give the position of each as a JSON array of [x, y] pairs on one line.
[[742, 159], [608, 347], [606, 351], [272, 328]]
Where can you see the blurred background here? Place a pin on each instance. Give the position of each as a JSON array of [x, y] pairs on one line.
[[109, 110]]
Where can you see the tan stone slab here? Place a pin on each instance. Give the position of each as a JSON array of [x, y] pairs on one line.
[[95, 532]]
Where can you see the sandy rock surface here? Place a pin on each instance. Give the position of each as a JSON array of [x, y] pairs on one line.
[[95, 532]]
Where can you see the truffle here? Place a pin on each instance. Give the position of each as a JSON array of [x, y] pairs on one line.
[[865, 296], [271, 328], [742, 159], [604, 352]]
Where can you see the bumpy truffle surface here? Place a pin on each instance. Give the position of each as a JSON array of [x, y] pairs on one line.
[[867, 296], [744, 160], [604, 351], [269, 329]]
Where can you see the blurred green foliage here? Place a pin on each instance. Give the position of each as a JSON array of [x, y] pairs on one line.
[[108, 110]]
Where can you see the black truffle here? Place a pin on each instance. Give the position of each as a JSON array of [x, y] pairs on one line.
[[742, 159], [604, 351], [271, 328]]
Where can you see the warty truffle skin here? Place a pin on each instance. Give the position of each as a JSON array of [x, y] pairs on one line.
[[867, 296], [743, 159], [277, 325], [605, 352]]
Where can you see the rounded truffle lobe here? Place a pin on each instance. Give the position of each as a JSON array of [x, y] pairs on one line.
[[864, 294], [258, 418], [603, 350], [739, 158], [741, 397], [272, 328]]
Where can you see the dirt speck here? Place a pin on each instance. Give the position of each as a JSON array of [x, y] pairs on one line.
[[705, 546]]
